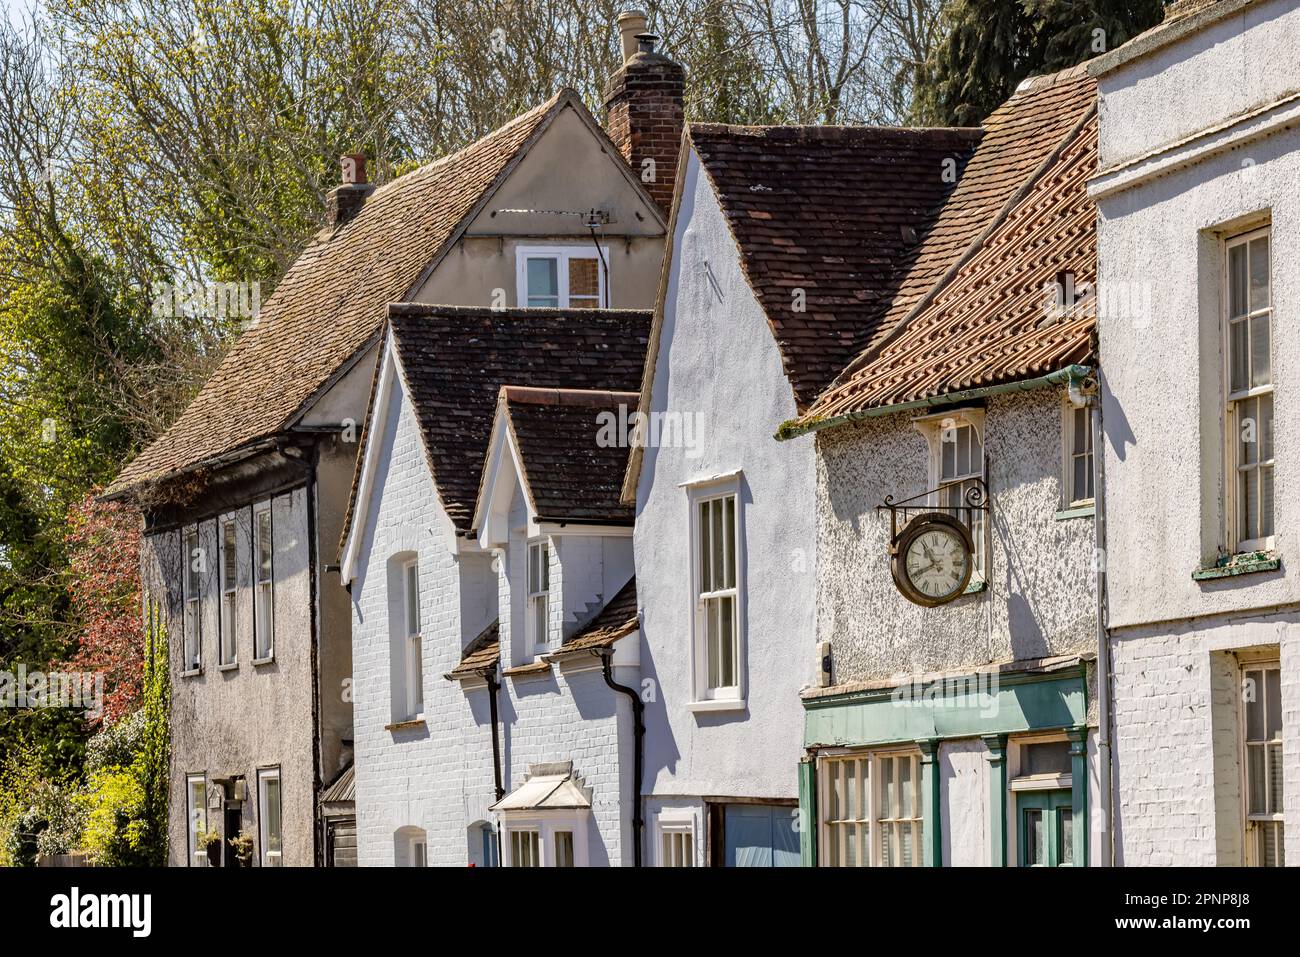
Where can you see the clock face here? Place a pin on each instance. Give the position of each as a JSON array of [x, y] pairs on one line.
[[936, 563]]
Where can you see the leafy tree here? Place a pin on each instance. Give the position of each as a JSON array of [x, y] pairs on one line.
[[991, 45]]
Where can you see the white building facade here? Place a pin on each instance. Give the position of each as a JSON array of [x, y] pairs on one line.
[[1199, 233]]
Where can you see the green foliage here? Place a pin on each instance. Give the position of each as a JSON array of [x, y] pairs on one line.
[[992, 45], [39, 811], [115, 833], [116, 745], [154, 761]]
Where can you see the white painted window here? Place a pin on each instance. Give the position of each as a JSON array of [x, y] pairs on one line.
[[525, 847], [556, 840], [269, 822], [229, 582], [715, 541], [1249, 414], [956, 440], [1078, 456], [419, 852], [195, 567], [539, 590], [676, 841], [413, 643], [559, 277], [1262, 742], [264, 584], [870, 810], [196, 814]]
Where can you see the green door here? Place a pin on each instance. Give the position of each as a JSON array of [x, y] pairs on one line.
[[1045, 835]]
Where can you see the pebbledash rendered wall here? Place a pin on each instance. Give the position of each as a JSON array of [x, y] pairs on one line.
[[718, 364], [1040, 603], [235, 720], [1207, 126]]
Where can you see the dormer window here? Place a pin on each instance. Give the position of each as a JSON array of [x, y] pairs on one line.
[[539, 588], [956, 441], [562, 277]]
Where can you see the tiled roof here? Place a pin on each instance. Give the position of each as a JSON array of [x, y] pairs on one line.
[[343, 788], [480, 655], [616, 620], [832, 211], [455, 359], [570, 473], [331, 302], [1018, 137], [984, 322]]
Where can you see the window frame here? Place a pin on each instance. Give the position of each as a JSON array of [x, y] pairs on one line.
[[671, 823], [192, 826], [932, 428], [192, 616], [546, 826], [1070, 497], [228, 606], [874, 759], [422, 844], [266, 856], [1274, 819], [537, 644], [562, 254], [263, 630], [705, 696], [1233, 400], [413, 643]]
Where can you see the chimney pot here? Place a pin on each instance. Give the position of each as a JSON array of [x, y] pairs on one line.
[[631, 23], [645, 42]]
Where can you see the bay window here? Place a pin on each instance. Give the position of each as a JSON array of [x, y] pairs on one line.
[[870, 810]]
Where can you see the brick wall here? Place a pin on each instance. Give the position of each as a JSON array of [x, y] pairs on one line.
[[644, 117]]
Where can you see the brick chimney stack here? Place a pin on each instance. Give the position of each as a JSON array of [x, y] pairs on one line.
[[344, 201], [644, 104]]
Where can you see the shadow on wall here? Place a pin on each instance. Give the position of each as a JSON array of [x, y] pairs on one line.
[[1024, 625], [1114, 422]]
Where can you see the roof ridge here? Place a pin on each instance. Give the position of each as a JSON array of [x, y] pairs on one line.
[[401, 310], [503, 130], [536, 395]]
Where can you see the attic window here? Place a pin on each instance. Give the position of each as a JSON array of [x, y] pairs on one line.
[[562, 277]]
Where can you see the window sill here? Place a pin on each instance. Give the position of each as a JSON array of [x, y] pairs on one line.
[[407, 725], [1244, 564], [229, 666], [528, 670], [717, 704], [193, 672], [264, 661], [1077, 511]]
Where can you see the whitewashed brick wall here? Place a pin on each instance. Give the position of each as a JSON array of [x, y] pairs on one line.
[[440, 778], [1177, 773]]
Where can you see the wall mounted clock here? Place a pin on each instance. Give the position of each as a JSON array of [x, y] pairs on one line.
[[932, 559]]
